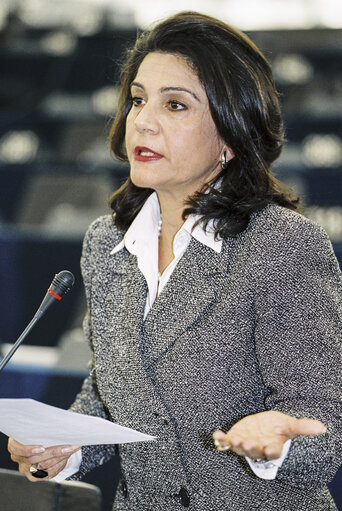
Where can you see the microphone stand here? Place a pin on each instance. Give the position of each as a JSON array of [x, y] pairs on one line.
[[18, 342], [61, 284]]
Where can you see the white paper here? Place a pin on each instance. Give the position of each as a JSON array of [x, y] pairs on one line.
[[34, 423]]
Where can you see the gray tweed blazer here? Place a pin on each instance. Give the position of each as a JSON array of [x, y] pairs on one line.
[[254, 328]]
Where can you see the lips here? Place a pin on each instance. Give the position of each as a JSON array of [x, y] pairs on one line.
[[146, 154]]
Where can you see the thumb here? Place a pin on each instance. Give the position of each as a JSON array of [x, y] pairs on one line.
[[307, 427]]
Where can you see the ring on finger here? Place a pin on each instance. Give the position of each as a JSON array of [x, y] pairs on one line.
[[221, 447], [38, 473]]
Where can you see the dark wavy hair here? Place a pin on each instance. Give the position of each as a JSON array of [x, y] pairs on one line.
[[244, 106]]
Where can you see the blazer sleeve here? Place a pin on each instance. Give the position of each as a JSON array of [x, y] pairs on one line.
[[88, 401], [298, 345]]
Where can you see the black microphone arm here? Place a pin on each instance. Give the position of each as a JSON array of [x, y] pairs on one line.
[[60, 286]]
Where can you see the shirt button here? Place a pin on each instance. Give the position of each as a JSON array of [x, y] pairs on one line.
[[163, 419], [184, 497]]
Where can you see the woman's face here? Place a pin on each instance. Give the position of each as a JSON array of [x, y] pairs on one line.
[[171, 139]]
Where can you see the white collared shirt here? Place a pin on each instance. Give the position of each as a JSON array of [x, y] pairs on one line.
[[141, 240]]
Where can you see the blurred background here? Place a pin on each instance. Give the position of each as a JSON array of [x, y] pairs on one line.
[[59, 70]]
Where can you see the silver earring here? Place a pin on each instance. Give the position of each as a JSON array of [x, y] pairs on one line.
[[224, 160]]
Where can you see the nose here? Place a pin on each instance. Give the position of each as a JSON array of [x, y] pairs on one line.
[[146, 120]]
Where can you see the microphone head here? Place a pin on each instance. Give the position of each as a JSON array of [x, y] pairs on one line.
[[62, 283]]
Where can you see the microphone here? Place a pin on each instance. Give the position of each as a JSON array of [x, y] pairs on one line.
[[60, 286]]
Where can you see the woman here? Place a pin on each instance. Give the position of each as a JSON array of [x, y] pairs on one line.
[[214, 307]]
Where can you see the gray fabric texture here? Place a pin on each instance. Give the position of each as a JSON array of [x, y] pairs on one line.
[[256, 327]]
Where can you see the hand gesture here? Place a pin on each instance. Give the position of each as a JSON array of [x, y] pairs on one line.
[[262, 435]]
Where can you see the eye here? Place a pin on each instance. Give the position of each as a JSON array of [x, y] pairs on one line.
[[176, 105], [137, 101]]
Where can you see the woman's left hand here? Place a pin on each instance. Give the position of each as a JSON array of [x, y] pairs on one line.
[[262, 435]]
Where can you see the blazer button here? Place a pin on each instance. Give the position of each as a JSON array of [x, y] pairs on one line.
[[184, 497], [124, 488]]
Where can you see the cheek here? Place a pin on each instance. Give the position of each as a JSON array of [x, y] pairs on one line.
[[130, 119], [204, 133], [210, 139], [201, 144], [184, 141], [128, 132]]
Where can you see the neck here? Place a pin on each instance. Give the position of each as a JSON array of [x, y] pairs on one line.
[[172, 221], [171, 213]]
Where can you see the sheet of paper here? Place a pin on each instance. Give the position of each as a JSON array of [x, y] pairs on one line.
[[31, 422]]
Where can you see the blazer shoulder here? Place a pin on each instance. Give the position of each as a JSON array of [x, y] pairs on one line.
[[277, 233], [102, 231], [279, 223], [101, 237]]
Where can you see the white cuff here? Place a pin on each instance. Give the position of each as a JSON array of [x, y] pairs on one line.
[[269, 469], [70, 468]]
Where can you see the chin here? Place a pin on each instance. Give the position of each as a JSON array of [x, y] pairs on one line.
[[141, 179], [140, 182]]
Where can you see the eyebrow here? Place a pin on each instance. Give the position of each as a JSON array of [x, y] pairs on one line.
[[169, 89]]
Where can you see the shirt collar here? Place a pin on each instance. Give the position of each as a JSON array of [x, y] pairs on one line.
[[204, 236], [145, 227]]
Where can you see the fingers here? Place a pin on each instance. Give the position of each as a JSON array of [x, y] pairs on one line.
[[252, 449], [47, 459], [307, 427], [262, 435], [15, 447], [36, 454], [51, 473], [52, 459], [219, 437], [56, 469], [60, 451], [42, 464], [48, 464], [52, 469], [267, 450]]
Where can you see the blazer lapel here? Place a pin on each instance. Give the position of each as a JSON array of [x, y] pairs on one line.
[[121, 290], [189, 294], [126, 296]]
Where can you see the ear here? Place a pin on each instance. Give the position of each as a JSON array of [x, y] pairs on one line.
[[229, 153]]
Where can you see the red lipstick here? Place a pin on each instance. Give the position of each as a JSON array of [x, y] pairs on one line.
[[146, 154]]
